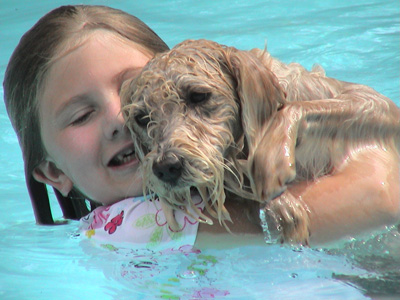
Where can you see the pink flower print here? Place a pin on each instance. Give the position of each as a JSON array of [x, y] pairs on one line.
[[111, 226], [187, 220], [99, 217]]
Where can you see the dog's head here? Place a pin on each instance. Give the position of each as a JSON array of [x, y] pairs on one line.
[[190, 111]]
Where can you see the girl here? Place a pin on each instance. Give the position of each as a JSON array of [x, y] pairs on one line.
[[62, 95], [61, 91]]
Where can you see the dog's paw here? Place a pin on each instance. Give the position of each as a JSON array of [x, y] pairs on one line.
[[288, 220], [271, 169], [272, 157]]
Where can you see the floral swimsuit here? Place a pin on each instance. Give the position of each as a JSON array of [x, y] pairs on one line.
[[140, 222]]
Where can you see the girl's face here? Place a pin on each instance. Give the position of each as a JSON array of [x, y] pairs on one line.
[[81, 125]]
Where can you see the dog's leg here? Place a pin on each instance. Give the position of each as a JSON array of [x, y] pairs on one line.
[[272, 159], [362, 196]]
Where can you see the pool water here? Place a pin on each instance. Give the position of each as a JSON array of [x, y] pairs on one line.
[[356, 41]]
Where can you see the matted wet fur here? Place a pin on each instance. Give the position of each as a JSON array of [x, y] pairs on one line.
[[210, 117]]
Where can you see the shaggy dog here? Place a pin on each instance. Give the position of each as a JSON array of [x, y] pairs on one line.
[[209, 117]]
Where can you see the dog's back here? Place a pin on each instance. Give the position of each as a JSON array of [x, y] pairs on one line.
[[332, 134]]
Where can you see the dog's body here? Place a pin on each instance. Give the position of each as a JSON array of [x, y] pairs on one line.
[[211, 117]]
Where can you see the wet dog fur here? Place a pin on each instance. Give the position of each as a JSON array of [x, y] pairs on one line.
[[213, 118]]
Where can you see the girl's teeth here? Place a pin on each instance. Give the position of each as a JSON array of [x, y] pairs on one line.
[[123, 158]]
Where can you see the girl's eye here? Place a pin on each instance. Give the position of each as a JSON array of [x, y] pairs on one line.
[[82, 119]]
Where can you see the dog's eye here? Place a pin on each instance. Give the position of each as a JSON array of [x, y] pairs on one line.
[[142, 118], [198, 97]]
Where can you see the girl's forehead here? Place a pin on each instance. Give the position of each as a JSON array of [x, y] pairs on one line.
[[102, 36], [86, 47], [92, 66]]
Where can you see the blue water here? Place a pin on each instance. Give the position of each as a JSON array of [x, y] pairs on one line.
[[356, 41]]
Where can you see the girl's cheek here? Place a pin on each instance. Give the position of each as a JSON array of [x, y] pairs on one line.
[[79, 142]]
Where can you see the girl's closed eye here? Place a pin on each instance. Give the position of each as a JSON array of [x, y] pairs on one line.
[[82, 117]]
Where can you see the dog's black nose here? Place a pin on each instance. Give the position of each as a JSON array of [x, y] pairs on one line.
[[168, 169]]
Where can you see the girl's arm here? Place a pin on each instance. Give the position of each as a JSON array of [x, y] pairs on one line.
[[362, 197]]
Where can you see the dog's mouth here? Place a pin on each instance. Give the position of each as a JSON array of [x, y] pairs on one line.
[[122, 158]]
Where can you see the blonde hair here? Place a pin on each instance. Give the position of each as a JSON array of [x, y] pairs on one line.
[[56, 33]]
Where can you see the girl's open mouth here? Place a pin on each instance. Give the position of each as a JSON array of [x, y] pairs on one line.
[[124, 157]]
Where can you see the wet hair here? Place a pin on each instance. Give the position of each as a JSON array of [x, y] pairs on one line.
[[56, 33]]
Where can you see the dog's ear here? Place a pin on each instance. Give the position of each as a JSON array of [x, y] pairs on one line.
[[258, 90]]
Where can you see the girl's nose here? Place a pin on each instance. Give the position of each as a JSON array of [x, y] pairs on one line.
[[114, 126]]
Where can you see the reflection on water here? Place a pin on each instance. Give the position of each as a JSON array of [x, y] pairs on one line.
[[58, 255], [380, 258]]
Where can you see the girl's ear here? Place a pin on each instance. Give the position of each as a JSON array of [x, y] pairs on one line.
[[48, 173]]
